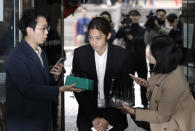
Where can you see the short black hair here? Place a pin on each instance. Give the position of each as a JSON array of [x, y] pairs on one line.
[[163, 10], [108, 14], [134, 13], [100, 24], [29, 19], [166, 54], [171, 17]]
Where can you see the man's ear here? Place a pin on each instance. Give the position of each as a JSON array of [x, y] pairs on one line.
[[109, 35], [29, 30]]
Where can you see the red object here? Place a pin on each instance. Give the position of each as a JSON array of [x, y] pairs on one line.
[[68, 8], [150, 2], [176, 2]]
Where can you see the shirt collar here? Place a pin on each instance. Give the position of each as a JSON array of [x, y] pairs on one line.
[[105, 52], [39, 50]]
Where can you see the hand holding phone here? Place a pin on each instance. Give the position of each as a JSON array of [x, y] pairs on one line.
[[139, 81], [61, 60]]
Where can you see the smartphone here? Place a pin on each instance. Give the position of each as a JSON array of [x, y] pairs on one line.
[[132, 76], [61, 60]]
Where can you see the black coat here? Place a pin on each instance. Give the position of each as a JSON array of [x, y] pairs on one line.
[[84, 64], [29, 94]]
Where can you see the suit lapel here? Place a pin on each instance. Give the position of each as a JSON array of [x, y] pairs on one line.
[[92, 61], [108, 70], [29, 52], [108, 67]]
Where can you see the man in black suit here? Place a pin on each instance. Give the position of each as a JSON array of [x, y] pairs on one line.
[[99, 61]]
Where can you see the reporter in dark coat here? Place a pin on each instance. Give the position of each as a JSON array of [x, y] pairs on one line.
[[99, 61], [29, 89]]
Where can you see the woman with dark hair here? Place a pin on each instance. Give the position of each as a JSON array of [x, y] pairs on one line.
[[108, 17], [171, 102], [99, 61]]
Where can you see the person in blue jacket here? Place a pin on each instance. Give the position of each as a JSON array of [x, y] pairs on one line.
[[30, 88], [82, 24]]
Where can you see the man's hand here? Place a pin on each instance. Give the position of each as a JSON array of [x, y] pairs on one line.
[[57, 70], [128, 109], [69, 88], [100, 124], [139, 81], [130, 37]]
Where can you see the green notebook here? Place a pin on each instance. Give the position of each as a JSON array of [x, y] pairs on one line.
[[81, 83]]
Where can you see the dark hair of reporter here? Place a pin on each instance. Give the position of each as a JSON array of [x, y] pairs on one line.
[[29, 19], [166, 53], [108, 14], [163, 10], [172, 17], [100, 24], [134, 13]]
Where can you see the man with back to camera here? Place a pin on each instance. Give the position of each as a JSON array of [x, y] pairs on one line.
[[30, 89]]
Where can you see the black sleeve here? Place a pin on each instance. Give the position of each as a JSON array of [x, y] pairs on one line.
[[83, 97]]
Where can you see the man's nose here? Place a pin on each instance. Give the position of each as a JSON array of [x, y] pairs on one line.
[[94, 41], [46, 32]]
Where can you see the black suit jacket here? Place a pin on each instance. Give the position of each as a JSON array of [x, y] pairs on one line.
[[84, 65]]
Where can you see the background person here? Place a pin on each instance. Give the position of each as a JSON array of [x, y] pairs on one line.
[[171, 102], [82, 24], [176, 31], [100, 62], [161, 14], [134, 40], [153, 28], [108, 17], [30, 89]]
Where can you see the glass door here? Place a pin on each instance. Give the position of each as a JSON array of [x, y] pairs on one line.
[[9, 36], [188, 7], [10, 11]]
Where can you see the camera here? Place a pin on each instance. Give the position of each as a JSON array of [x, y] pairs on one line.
[[126, 22], [151, 17]]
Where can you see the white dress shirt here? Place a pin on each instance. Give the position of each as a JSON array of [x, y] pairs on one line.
[[100, 69], [38, 52]]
